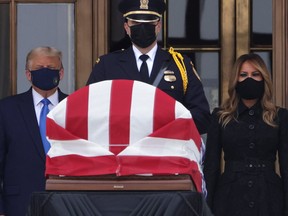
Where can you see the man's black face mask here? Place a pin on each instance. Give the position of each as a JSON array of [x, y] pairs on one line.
[[45, 78], [143, 35]]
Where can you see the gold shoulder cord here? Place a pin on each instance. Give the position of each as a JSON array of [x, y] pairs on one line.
[[179, 60]]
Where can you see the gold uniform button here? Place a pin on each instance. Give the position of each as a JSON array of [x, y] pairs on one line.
[[172, 87]]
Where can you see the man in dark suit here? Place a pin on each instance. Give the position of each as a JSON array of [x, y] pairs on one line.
[[22, 156], [169, 71]]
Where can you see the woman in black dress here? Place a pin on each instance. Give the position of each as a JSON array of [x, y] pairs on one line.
[[251, 131]]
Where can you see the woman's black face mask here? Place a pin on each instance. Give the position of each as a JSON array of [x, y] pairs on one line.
[[250, 89], [143, 35]]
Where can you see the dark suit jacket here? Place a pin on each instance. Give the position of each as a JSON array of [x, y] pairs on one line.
[[122, 65], [22, 158]]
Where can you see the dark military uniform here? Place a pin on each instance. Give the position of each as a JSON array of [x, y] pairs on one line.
[[122, 65], [249, 185], [176, 79]]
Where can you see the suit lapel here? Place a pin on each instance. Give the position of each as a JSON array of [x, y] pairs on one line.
[[26, 107], [128, 63], [61, 95]]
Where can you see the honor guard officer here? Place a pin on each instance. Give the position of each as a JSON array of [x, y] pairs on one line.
[[146, 61]]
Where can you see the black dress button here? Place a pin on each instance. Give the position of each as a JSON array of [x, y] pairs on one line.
[[252, 145], [251, 112], [251, 204], [250, 183], [251, 126]]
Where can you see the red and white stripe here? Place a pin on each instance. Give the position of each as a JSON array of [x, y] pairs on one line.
[[122, 127]]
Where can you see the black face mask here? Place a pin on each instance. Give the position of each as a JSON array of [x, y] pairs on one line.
[[45, 78], [250, 89], [143, 35]]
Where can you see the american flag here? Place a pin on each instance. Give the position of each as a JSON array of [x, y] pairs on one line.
[[123, 127]]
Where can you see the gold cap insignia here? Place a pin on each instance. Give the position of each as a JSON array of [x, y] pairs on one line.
[[144, 4]]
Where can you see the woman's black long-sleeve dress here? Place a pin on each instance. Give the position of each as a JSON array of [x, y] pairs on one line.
[[249, 185]]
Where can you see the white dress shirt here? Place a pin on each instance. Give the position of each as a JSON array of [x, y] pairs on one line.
[[38, 105], [149, 61]]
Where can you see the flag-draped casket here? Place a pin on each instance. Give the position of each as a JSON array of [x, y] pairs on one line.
[[123, 127]]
